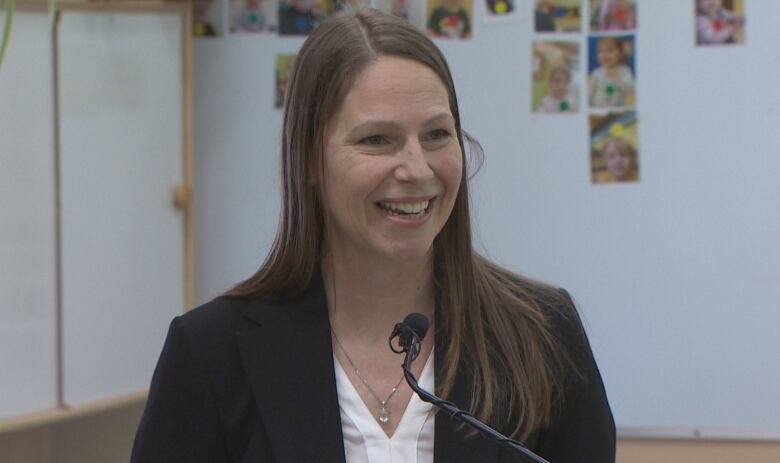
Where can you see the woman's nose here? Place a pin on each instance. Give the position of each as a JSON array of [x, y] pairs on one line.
[[413, 164]]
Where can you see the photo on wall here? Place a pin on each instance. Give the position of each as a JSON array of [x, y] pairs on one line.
[[300, 17], [207, 18], [720, 22], [351, 5], [611, 71], [253, 16], [413, 11], [555, 77], [499, 10], [612, 15], [558, 15], [284, 64], [450, 19], [614, 147]]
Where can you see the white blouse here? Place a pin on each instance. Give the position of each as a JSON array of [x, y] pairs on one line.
[[366, 442]]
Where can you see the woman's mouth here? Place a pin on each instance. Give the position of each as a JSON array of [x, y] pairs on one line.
[[406, 209]]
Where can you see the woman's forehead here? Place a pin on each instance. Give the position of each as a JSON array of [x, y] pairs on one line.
[[391, 84]]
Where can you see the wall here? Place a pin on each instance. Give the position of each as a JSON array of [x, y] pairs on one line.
[[102, 438], [75, 442]]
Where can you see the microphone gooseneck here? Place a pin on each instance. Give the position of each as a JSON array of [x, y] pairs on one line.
[[410, 334]]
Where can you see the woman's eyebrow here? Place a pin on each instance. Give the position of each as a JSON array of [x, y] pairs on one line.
[[381, 124], [441, 117], [375, 124]]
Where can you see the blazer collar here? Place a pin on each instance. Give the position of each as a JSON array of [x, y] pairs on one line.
[[287, 354]]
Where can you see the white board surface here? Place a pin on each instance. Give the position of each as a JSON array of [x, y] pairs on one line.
[[677, 276], [27, 235], [121, 156]]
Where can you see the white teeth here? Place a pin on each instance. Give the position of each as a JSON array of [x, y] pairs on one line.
[[404, 207]]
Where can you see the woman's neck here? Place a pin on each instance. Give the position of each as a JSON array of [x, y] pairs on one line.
[[365, 300]]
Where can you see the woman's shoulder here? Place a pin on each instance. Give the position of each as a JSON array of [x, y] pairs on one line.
[[218, 311], [224, 315], [552, 301]]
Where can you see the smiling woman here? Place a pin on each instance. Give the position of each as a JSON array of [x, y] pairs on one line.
[[392, 165], [374, 225]]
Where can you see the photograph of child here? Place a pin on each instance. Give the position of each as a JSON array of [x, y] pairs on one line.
[[720, 22], [413, 10], [352, 5], [611, 69], [299, 17], [558, 15], [400, 8], [614, 152], [554, 79], [204, 13], [499, 8], [450, 19], [612, 15], [253, 16], [284, 64]]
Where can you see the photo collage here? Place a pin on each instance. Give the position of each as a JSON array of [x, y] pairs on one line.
[[446, 19], [608, 93], [604, 30]]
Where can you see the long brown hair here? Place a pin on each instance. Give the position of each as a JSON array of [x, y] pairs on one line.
[[497, 324]]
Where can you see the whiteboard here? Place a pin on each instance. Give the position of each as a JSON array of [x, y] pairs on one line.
[[120, 81], [28, 355], [677, 276]]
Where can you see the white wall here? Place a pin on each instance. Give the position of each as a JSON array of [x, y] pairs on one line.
[[676, 275]]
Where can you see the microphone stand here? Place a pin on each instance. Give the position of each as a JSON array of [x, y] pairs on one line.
[[451, 409]]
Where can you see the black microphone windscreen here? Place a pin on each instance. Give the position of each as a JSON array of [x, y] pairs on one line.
[[418, 323]]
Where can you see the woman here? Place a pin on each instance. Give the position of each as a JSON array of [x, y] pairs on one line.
[[292, 365]]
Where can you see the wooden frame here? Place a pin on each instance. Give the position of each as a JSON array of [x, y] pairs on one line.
[[182, 196]]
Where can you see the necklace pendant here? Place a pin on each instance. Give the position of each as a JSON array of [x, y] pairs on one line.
[[383, 415]]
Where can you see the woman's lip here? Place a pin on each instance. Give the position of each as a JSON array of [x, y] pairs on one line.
[[408, 220], [407, 199]]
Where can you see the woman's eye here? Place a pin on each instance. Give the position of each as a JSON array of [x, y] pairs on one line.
[[374, 140], [438, 135]]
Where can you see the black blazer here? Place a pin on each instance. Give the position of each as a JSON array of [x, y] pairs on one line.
[[245, 380]]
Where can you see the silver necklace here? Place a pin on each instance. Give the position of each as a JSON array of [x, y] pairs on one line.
[[384, 414]]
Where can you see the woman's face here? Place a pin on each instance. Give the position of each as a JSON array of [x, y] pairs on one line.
[[392, 163], [618, 163], [608, 52]]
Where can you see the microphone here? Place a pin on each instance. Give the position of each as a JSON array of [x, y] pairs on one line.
[[410, 333]]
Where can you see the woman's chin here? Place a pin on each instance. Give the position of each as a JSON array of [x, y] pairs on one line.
[[408, 252]]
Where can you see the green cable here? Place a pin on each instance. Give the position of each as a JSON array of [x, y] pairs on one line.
[[9, 21]]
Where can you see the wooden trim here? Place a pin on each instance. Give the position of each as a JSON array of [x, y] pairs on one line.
[[63, 412], [188, 148], [50, 417], [184, 9], [118, 6], [123, 6], [25, 6], [59, 342]]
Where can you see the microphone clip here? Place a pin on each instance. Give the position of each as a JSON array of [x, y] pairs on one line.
[[410, 333], [408, 340]]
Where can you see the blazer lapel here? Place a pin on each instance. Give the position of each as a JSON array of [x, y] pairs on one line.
[[453, 443], [288, 358]]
